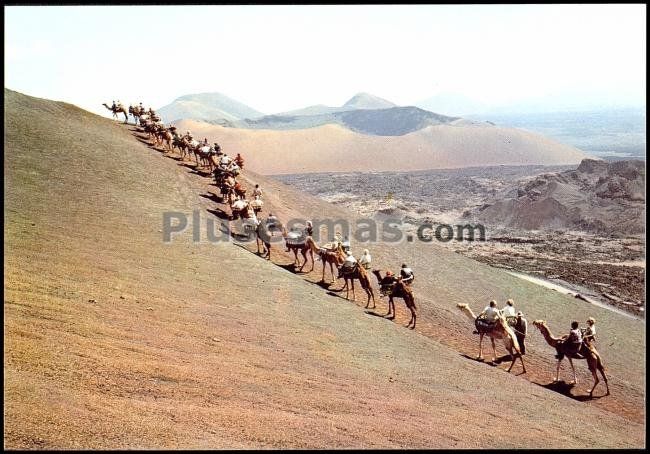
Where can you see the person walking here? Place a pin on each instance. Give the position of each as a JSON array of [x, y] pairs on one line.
[[521, 329]]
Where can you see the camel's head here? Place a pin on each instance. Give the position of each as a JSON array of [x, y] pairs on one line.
[[461, 306], [539, 323]]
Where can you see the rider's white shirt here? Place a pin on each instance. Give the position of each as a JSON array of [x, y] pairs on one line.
[[491, 313], [508, 311]]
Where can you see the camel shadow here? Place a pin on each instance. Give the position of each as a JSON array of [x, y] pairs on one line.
[[480, 360], [144, 141], [374, 314], [219, 213], [212, 196], [565, 389], [503, 358], [289, 267]]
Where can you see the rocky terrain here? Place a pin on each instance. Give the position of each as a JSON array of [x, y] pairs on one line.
[[114, 339], [600, 197]]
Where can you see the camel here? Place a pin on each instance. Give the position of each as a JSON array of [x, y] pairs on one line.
[[135, 112], [116, 110], [399, 290], [501, 331], [587, 351], [303, 247], [241, 208], [260, 239], [361, 274], [333, 257]]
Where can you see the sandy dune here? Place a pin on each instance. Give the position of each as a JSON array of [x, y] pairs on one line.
[[334, 148]]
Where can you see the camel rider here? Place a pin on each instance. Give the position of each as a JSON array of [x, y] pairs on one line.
[[589, 333], [217, 148], [346, 244], [350, 262], [272, 224], [205, 142], [240, 161], [407, 274], [114, 106], [240, 190], [309, 229], [257, 192], [509, 309], [490, 313], [487, 319], [188, 135], [574, 339], [365, 259], [225, 160]]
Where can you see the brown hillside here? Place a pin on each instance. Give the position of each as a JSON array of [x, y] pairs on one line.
[[332, 148], [114, 339]]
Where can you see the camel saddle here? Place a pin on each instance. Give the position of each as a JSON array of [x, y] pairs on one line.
[[346, 270], [257, 204], [295, 238], [239, 205]]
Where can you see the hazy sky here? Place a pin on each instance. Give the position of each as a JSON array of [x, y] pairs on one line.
[[277, 58]]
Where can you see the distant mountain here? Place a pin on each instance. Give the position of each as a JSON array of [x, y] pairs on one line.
[[394, 121], [358, 101], [213, 107], [367, 101]]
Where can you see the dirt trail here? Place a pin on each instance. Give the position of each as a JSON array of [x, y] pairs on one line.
[[114, 339]]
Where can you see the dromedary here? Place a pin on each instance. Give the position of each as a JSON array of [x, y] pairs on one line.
[[399, 290], [116, 110], [334, 258], [500, 331], [360, 273], [587, 352], [308, 245]]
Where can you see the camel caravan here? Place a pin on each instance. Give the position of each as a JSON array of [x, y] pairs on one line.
[[505, 324]]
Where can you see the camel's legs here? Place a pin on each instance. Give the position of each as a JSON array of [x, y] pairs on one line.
[[304, 256], [370, 294], [494, 349], [480, 346], [413, 318], [602, 372], [575, 378], [596, 380], [391, 308], [557, 372], [354, 297]]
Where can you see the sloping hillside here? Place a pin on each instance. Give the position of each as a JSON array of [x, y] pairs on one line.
[[332, 148], [115, 339], [597, 196], [207, 106]]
